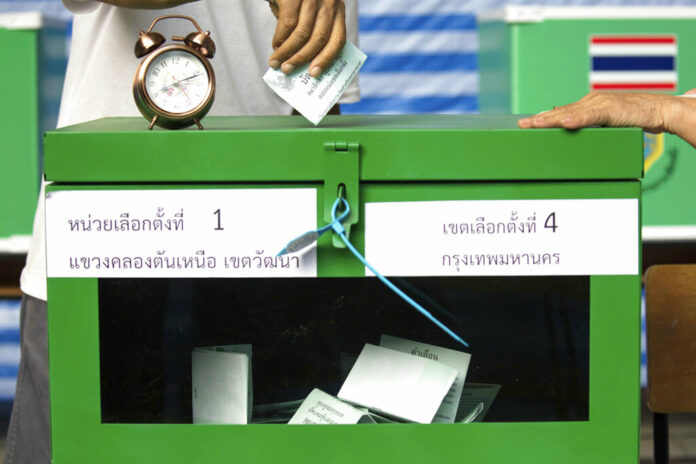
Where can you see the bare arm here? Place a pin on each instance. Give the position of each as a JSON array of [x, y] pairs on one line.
[[651, 112]]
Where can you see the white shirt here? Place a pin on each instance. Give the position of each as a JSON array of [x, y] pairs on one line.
[[98, 81]]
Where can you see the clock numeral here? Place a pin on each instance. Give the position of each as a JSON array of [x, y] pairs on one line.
[[163, 64], [155, 72]]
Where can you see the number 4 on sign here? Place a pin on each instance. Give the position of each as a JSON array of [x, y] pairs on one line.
[[219, 222], [550, 222]]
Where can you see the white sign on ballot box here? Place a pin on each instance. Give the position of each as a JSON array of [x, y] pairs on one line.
[[179, 233], [503, 237]]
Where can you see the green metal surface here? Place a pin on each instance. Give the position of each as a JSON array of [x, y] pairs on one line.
[[532, 67], [19, 129], [289, 149], [609, 436], [399, 159]]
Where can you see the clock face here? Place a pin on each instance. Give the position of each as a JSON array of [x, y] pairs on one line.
[[177, 81]]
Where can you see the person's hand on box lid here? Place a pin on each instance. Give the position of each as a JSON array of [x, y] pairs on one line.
[[651, 112]]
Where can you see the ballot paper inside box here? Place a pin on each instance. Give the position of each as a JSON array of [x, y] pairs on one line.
[[321, 408], [397, 384], [222, 390], [448, 412]]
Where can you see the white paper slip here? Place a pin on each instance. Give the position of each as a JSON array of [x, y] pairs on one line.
[[504, 237], [322, 408], [221, 384], [174, 233], [476, 400], [313, 97], [397, 384], [458, 360]]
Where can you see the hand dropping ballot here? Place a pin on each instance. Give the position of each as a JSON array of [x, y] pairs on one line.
[[314, 97]]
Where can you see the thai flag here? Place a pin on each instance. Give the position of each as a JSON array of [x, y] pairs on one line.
[[633, 62]]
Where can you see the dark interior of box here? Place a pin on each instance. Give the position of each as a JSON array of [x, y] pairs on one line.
[[530, 335]]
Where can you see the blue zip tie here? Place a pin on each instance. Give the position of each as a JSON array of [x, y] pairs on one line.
[[341, 231], [308, 238]]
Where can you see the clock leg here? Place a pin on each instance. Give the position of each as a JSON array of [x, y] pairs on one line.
[[198, 123], [152, 123]]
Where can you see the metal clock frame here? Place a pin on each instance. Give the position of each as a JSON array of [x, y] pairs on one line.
[[157, 115]]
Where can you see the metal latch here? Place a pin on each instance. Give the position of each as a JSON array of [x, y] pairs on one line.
[[342, 168]]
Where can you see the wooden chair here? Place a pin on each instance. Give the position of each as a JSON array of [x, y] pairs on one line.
[[670, 302]]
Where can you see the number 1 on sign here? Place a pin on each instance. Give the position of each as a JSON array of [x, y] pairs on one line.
[[219, 221]]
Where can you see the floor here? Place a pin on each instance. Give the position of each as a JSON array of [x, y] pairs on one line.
[[682, 441], [682, 436]]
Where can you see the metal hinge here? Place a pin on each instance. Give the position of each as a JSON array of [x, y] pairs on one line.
[[342, 168]]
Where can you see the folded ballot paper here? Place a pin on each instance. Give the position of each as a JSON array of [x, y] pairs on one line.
[[397, 384], [447, 412], [221, 384], [313, 97], [321, 408]]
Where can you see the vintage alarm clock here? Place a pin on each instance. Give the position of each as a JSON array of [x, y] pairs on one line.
[[174, 85]]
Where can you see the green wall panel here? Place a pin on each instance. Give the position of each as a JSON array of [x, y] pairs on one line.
[[528, 67], [19, 131]]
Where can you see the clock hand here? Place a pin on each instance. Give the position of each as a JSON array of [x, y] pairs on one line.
[[173, 84], [176, 83], [183, 90], [190, 77]]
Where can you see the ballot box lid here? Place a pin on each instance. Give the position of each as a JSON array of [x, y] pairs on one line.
[[290, 149]]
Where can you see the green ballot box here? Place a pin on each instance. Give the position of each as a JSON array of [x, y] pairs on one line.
[[180, 333], [35, 51], [535, 58]]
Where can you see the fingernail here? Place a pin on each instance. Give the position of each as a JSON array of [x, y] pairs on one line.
[[315, 71], [287, 68], [274, 64]]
